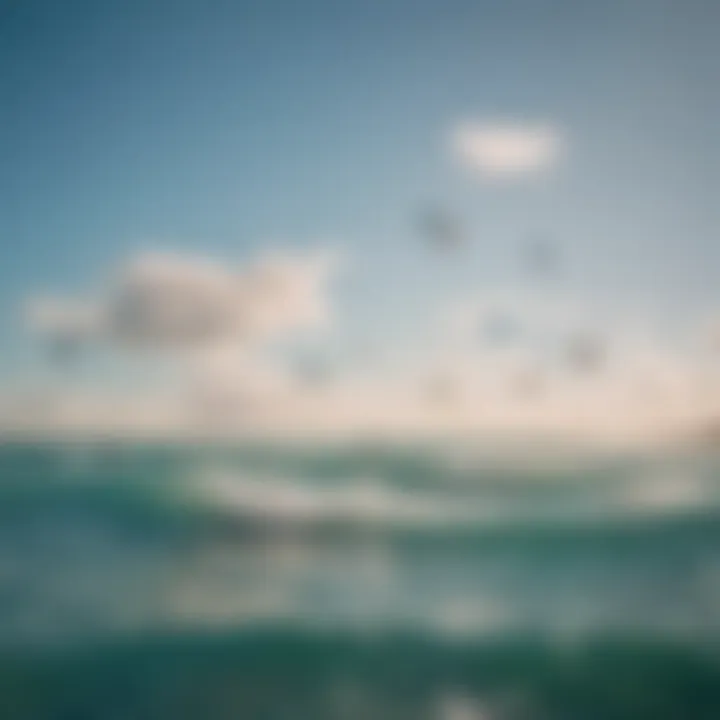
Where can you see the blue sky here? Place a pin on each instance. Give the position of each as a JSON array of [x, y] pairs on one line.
[[226, 127]]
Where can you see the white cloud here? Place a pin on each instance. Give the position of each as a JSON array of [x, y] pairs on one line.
[[643, 395], [216, 325], [220, 323], [507, 149], [172, 300], [161, 301]]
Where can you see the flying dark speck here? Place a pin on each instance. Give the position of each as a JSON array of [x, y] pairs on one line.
[[542, 258], [499, 328], [441, 229], [313, 372], [64, 351], [585, 353]]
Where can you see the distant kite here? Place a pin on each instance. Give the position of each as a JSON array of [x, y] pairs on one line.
[[65, 350], [585, 353], [313, 372], [542, 258], [441, 229], [499, 328]]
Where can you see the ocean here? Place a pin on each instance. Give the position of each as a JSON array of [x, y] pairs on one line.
[[432, 580]]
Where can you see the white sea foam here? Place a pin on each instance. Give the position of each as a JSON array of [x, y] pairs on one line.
[[363, 500], [376, 502], [458, 706], [667, 492]]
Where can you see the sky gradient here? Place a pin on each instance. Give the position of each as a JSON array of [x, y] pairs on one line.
[[226, 129]]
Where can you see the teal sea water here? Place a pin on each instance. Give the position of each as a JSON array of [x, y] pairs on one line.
[[356, 581]]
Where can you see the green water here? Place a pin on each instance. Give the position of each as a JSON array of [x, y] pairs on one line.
[[355, 582]]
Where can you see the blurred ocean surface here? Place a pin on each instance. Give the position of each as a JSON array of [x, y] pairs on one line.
[[374, 581]]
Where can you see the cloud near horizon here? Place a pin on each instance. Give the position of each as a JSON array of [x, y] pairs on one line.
[[164, 301], [218, 321]]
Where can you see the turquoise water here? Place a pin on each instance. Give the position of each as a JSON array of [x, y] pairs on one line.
[[375, 581]]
